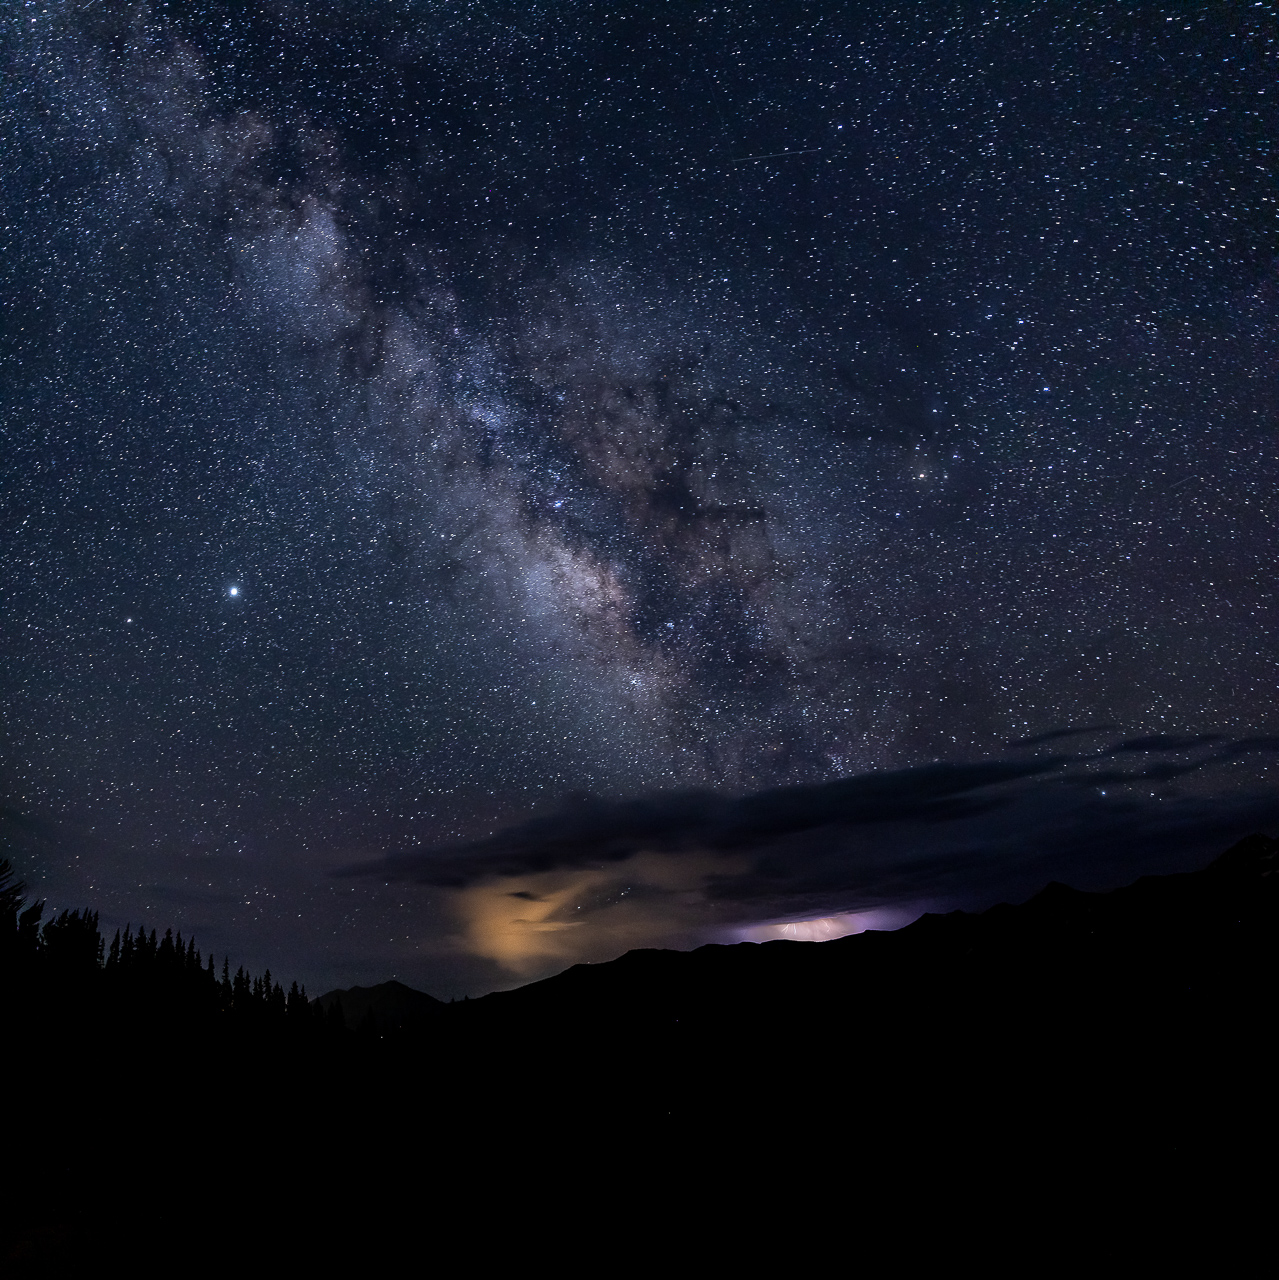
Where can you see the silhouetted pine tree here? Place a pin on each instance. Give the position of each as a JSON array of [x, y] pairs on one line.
[[12, 894], [295, 1005], [29, 930], [72, 946], [242, 991], [17, 931], [142, 985]]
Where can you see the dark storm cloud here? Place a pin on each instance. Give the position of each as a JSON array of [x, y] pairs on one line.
[[592, 830], [947, 832], [1081, 839]]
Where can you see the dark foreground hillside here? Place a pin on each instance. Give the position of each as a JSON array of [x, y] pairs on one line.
[[1098, 1066]]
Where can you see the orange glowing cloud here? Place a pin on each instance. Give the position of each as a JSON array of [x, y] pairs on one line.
[[535, 923]]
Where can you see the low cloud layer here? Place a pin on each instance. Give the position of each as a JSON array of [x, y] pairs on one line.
[[595, 878]]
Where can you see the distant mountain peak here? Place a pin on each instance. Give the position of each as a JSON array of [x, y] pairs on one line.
[[392, 1004], [1256, 854]]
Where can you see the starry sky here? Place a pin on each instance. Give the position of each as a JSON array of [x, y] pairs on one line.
[[429, 429]]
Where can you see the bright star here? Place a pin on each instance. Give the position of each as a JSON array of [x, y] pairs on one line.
[[233, 591]]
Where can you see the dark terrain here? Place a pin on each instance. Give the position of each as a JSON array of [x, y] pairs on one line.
[[1080, 1058]]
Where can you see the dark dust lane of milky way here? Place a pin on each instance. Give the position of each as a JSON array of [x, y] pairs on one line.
[[415, 416]]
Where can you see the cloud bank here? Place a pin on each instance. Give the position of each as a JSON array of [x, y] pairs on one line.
[[596, 877]]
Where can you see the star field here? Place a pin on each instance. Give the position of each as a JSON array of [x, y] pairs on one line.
[[416, 414]]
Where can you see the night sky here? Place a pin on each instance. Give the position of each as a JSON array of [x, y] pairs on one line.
[[603, 457]]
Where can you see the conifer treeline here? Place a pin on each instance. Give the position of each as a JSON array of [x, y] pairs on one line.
[[68, 961]]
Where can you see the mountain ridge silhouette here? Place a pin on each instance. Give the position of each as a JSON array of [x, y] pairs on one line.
[[1056, 916], [1083, 1057]]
